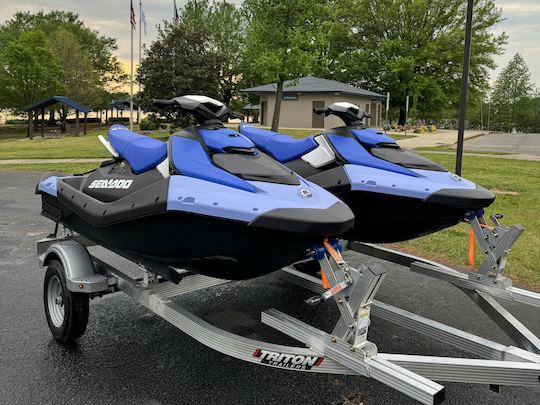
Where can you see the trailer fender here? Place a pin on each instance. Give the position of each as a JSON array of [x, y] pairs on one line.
[[80, 272]]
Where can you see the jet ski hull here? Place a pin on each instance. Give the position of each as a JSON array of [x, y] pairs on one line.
[[386, 218], [141, 226]]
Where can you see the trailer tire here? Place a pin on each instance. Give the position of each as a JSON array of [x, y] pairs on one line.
[[66, 312]]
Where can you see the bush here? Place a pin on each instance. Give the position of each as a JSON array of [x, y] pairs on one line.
[[147, 124], [92, 120], [16, 122], [118, 120]]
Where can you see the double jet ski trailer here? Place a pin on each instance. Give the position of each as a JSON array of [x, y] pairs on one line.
[[76, 273]]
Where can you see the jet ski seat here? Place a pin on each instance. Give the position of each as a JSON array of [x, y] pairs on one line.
[[141, 152], [282, 147]]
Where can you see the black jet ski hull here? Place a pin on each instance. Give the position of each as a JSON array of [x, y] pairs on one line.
[[212, 246], [382, 218]]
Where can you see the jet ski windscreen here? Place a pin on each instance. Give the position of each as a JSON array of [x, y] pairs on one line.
[[403, 157], [258, 167]]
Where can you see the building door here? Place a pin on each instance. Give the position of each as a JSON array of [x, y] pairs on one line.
[[374, 114], [317, 121], [263, 112]]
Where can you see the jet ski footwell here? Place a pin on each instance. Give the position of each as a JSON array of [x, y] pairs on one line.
[[74, 274]]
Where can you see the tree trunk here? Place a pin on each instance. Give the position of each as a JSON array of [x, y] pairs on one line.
[[277, 106], [30, 125], [402, 115], [77, 130], [51, 118]]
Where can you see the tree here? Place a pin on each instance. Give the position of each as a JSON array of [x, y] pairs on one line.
[[411, 47], [29, 71], [226, 29], [79, 78], [179, 62], [512, 93], [281, 41], [100, 48]]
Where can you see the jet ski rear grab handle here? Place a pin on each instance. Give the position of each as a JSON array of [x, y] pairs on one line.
[[346, 350]]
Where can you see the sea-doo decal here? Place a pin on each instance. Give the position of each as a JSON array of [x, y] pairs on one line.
[[111, 183], [288, 360]]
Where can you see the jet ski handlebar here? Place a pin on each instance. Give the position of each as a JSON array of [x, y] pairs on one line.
[[319, 111], [206, 110], [351, 114], [161, 103]]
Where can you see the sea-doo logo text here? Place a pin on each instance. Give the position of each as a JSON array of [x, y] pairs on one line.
[[113, 183], [304, 192], [286, 360]]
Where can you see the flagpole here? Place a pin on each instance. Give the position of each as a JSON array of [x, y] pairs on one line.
[[139, 66], [131, 85]]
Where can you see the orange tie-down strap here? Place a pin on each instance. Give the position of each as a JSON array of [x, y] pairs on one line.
[[472, 240], [336, 255], [324, 280]]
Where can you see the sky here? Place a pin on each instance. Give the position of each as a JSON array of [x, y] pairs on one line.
[[111, 18]]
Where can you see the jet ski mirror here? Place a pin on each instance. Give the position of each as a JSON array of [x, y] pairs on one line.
[[351, 114], [204, 109]]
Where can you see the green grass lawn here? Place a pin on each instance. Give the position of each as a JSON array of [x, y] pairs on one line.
[[507, 177], [12, 132], [398, 137], [84, 146]]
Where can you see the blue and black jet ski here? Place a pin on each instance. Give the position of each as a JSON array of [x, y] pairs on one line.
[[207, 200], [394, 193]]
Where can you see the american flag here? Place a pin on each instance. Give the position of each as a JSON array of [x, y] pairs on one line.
[[132, 16]]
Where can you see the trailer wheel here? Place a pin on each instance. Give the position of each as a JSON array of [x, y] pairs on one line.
[[66, 312]]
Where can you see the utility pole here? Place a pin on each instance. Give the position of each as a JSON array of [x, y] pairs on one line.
[[489, 114], [464, 87], [406, 113], [132, 19], [139, 66], [387, 108]]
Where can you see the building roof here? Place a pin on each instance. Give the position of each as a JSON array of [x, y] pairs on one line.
[[312, 84], [47, 102]]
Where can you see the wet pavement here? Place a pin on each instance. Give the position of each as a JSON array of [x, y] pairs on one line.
[[130, 356]]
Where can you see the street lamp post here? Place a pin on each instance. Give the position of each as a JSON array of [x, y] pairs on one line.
[[464, 85]]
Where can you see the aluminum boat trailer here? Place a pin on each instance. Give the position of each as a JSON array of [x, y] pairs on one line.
[[76, 275]]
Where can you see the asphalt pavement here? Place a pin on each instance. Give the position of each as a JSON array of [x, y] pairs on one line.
[[523, 144], [130, 356]]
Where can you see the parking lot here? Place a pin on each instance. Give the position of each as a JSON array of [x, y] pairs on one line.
[[130, 356], [523, 144]]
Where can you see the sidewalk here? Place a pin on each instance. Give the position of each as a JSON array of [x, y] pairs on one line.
[[487, 155], [443, 137]]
